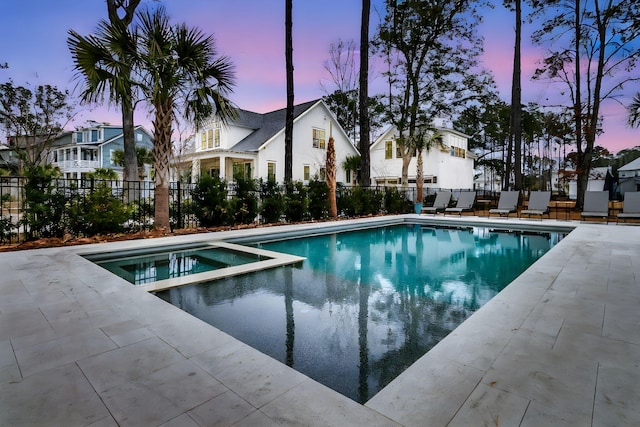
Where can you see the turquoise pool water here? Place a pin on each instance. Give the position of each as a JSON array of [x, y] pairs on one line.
[[364, 305]]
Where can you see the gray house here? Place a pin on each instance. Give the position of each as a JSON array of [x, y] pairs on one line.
[[84, 150]]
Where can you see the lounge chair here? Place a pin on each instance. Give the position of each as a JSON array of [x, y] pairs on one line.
[[464, 203], [538, 204], [596, 205], [631, 206], [507, 204], [440, 204]]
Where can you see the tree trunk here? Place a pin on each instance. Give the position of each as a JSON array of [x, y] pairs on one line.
[[582, 173], [162, 158], [365, 163], [516, 101], [331, 177], [288, 130], [130, 172], [419, 178]]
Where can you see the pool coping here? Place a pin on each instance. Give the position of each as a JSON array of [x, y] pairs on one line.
[[541, 323], [274, 259]]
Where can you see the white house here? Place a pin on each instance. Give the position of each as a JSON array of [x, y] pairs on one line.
[[596, 181], [252, 145], [447, 164], [629, 177], [79, 152]]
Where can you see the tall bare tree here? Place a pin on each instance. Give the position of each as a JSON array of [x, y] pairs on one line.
[[431, 49], [363, 104], [288, 128], [127, 8], [593, 52], [342, 96], [516, 100]]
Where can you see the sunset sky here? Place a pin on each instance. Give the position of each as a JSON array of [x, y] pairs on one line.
[[251, 32]]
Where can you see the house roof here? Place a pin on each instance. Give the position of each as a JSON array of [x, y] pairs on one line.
[[266, 125], [121, 135], [633, 165]]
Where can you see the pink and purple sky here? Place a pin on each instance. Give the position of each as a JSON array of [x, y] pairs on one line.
[[33, 37]]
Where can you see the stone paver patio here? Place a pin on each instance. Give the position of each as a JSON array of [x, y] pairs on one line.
[[559, 346]]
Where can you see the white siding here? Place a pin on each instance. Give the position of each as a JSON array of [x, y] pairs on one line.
[[451, 171], [303, 152]]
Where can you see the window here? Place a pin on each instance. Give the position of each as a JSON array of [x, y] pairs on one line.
[[348, 175], [210, 138], [95, 135], [78, 136], [307, 173], [111, 162], [216, 137], [271, 171], [388, 150], [323, 174], [398, 151], [214, 172], [458, 152], [318, 138], [241, 171]]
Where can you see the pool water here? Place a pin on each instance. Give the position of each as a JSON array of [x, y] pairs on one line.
[[162, 265], [364, 305]]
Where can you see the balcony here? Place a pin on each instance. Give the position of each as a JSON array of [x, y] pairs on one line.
[[70, 165]]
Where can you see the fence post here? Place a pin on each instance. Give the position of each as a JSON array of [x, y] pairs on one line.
[[179, 210]]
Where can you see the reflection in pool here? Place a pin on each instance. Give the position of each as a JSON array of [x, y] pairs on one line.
[[367, 304]]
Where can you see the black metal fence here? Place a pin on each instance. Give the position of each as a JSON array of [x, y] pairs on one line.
[[85, 207]]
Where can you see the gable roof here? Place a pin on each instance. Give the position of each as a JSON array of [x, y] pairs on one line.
[[121, 135], [266, 125], [633, 165]]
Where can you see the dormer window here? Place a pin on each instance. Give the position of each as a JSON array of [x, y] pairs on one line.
[[210, 139]]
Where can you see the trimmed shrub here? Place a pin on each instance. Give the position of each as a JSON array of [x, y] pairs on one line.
[[243, 206], [296, 201], [272, 201], [44, 206], [318, 199], [210, 201]]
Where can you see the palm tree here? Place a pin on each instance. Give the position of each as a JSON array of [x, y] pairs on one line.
[[330, 168], [103, 64], [178, 67], [634, 111], [421, 142], [352, 164]]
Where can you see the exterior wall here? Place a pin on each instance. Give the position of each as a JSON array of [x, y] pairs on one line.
[[142, 140], [304, 154], [229, 136], [451, 171], [73, 158]]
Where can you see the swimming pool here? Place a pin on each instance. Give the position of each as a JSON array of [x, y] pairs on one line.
[[365, 304]]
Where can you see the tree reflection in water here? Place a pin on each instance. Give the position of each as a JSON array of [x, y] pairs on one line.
[[366, 304]]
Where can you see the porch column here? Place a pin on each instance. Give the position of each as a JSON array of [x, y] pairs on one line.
[[223, 161], [195, 170]]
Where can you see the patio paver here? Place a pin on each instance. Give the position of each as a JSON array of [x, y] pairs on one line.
[[560, 345]]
